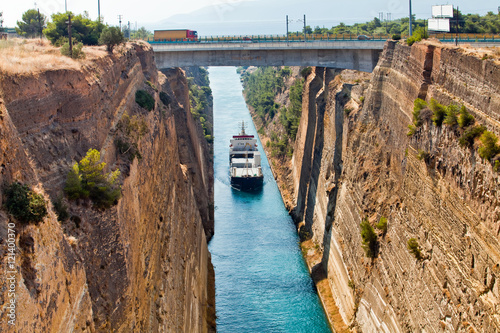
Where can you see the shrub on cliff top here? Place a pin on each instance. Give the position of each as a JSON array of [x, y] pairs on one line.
[[145, 100], [24, 204], [369, 239], [418, 35], [489, 146], [111, 37], [87, 179], [76, 52]]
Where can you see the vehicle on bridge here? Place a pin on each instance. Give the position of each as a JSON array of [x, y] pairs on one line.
[[175, 35]]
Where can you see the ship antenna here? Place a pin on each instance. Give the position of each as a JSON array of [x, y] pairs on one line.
[[243, 128]]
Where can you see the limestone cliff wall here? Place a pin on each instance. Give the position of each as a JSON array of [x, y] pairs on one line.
[[140, 266], [354, 160]]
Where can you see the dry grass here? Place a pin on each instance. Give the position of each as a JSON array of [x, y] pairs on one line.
[[19, 56]]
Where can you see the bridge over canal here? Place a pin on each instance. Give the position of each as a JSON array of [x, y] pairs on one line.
[[359, 55]]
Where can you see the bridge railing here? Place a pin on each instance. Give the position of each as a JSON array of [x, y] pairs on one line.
[[274, 38], [292, 38]]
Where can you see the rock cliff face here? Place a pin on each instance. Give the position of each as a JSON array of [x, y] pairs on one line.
[[353, 160], [142, 265]]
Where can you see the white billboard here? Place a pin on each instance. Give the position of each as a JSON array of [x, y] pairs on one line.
[[439, 24], [442, 11]]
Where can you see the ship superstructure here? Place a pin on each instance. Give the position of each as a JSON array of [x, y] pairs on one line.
[[244, 162]]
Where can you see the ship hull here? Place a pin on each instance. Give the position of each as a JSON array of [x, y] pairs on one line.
[[247, 183]]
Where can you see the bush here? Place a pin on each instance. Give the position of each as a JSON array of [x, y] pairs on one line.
[[145, 100], [396, 37], [305, 72], [87, 179], [439, 112], [451, 115], [414, 248], [418, 35], [411, 130], [76, 53], [418, 105], [369, 239], [382, 224], [422, 155], [465, 118], [61, 210], [467, 139], [25, 205], [489, 146], [111, 37]]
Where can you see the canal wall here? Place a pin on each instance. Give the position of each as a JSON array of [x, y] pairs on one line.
[[356, 159], [141, 265]]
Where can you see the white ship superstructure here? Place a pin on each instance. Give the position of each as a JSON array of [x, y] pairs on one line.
[[244, 160]]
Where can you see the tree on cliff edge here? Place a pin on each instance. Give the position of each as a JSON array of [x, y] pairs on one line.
[[111, 36], [32, 24]]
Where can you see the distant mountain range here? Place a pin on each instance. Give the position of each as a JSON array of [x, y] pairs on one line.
[[269, 16]]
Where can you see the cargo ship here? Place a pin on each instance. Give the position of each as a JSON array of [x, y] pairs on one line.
[[244, 162]]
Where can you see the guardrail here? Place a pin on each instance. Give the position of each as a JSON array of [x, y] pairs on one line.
[[488, 38]]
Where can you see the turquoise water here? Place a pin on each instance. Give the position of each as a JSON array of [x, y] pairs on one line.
[[262, 282]]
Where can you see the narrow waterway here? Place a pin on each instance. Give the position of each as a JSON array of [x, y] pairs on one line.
[[262, 282]]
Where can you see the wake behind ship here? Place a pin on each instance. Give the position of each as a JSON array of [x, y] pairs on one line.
[[244, 162]]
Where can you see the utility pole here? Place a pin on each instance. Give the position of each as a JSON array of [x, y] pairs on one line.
[[287, 29], [304, 27], [456, 38], [410, 20], [65, 6], [99, 10], [40, 23], [69, 36], [128, 29], [120, 20]]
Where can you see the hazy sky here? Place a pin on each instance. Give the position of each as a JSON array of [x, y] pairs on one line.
[[149, 12]]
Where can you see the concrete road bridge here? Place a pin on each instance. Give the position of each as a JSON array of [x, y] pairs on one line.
[[359, 55]]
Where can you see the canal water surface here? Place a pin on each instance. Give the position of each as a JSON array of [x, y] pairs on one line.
[[262, 282]]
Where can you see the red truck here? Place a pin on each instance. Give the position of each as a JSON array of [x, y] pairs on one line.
[[175, 35]]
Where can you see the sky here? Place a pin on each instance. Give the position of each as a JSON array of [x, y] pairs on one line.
[[263, 14]]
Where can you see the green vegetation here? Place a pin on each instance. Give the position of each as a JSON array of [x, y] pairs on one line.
[[465, 118], [451, 117], [414, 248], [439, 112], [419, 34], [83, 29], [489, 147], [369, 239], [467, 139], [290, 117], [145, 100], [382, 224], [61, 209], [422, 154], [470, 23], [24, 204], [418, 105], [141, 33], [305, 72], [496, 166], [200, 97], [87, 179], [411, 130], [111, 37], [129, 131], [260, 89], [32, 24], [76, 52]]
